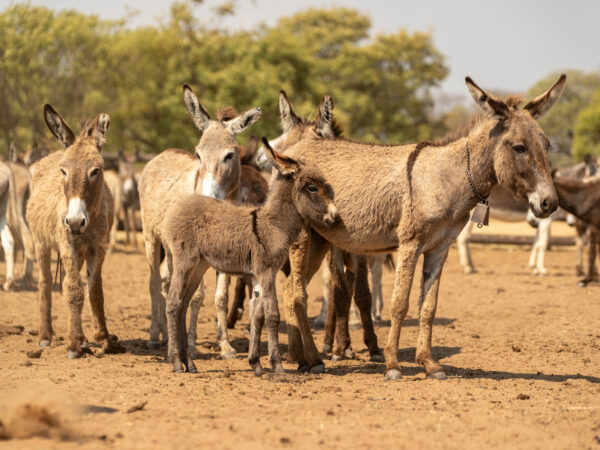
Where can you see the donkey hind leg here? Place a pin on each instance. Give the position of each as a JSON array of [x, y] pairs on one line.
[[363, 299], [8, 244], [376, 269], [221, 300], [196, 302], [405, 269], [590, 274], [257, 320], [237, 304], [433, 263], [94, 261], [321, 319], [29, 252], [464, 253], [331, 279], [153, 248], [341, 292], [45, 294]]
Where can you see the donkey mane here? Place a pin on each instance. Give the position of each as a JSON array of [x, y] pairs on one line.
[[226, 113]]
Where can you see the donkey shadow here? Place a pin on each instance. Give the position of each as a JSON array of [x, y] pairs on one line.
[[500, 375], [414, 322]]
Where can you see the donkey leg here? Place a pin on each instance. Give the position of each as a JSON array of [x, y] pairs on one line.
[[257, 319], [29, 252], [543, 240], [430, 282], [221, 300], [75, 296], [464, 252], [534, 252], [321, 319], [330, 282], [94, 261], [405, 270], [362, 297], [376, 269], [153, 256], [197, 301], [267, 283], [237, 304], [342, 298], [8, 244], [45, 294]]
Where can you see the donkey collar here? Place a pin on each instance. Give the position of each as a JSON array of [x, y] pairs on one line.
[[481, 198]]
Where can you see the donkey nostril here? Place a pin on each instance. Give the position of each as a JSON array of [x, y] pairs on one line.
[[82, 224], [545, 203]]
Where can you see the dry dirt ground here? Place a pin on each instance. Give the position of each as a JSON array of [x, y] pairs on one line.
[[522, 354]]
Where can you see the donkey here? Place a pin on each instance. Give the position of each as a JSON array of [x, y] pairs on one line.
[[417, 204], [70, 211], [201, 232], [214, 172]]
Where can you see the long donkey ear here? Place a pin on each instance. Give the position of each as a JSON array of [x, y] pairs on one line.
[[244, 120], [491, 105], [542, 104], [289, 118], [97, 131], [12, 152], [283, 164], [324, 122], [247, 155], [57, 126], [196, 111]]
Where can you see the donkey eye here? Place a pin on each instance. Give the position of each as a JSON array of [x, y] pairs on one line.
[[198, 156], [312, 189], [229, 156], [94, 172], [519, 148], [63, 171]]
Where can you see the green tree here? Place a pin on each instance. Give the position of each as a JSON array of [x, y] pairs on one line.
[[587, 130]]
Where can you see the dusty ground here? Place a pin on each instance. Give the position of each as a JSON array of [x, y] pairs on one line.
[[522, 354]]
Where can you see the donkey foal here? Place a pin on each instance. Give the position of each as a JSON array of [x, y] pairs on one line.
[[201, 232]]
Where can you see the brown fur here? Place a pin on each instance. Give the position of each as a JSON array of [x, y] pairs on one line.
[[200, 232], [417, 203], [216, 172], [59, 179]]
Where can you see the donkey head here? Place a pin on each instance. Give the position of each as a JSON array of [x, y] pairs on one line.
[[217, 150], [311, 194], [34, 153], [129, 185], [12, 153], [520, 148], [81, 168], [295, 128]]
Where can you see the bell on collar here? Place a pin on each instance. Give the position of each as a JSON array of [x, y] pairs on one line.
[[481, 215]]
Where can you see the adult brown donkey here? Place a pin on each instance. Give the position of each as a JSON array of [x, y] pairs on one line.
[[415, 199], [214, 171], [70, 211]]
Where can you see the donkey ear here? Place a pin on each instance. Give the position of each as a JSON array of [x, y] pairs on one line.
[[250, 149], [12, 152], [121, 153], [491, 105], [196, 111], [244, 120], [97, 131], [324, 122], [542, 104], [283, 164], [289, 118], [58, 127], [136, 154]]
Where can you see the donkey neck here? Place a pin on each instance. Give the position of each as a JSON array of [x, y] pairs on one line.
[[279, 211]]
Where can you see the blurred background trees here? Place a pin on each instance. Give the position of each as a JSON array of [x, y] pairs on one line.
[[383, 85]]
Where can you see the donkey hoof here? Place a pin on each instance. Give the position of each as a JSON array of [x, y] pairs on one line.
[[582, 284], [192, 368], [326, 348], [393, 374], [258, 370], [45, 343], [229, 355], [73, 354], [318, 369], [440, 375], [113, 348], [278, 368], [377, 358], [153, 345], [336, 358], [303, 368], [348, 353]]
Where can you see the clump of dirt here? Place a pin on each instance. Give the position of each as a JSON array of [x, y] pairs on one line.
[[34, 420]]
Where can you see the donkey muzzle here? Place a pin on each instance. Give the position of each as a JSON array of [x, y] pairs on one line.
[[77, 219], [331, 217], [543, 203]]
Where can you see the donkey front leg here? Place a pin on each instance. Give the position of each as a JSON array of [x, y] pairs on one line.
[[8, 244], [45, 293], [74, 293], [257, 320], [462, 241], [405, 269], [221, 300], [363, 299], [430, 282], [153, 247], [94, 261], [196, 302], [376, 269], [267, 288]]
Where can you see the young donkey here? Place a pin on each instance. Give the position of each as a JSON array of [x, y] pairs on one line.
[[70, 211], [214, 172], [417, 204], [201, 232]]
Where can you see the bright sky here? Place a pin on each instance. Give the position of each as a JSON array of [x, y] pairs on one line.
[[506, 45]]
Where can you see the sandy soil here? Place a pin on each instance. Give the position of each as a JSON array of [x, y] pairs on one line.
[[522, 354]]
